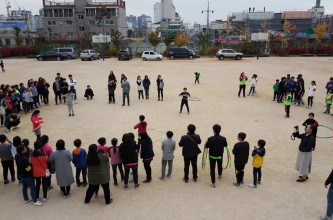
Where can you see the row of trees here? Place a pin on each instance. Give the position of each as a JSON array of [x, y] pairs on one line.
[[155, 38]]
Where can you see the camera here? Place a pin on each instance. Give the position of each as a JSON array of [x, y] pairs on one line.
[[294, 134], [296, 127]]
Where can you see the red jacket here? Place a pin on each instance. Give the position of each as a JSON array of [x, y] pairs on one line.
[[39, 165], [142, 127]]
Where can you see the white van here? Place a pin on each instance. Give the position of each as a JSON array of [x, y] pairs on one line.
[[69, 51]]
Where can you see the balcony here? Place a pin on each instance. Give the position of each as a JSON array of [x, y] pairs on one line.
[[50, 3]]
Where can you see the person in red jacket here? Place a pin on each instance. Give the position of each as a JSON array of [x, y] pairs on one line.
[[39, 169], [141, 126]]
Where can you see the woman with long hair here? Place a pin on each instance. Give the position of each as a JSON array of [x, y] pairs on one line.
[[98, 174]]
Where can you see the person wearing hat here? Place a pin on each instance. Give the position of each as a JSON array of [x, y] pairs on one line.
[[39, 169], [304, 159]]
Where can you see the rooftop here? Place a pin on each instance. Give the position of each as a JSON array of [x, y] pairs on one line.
[[95, 3]]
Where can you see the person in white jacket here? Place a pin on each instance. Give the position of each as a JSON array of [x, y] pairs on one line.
[[140, 87], [311, 93], [72, 85]]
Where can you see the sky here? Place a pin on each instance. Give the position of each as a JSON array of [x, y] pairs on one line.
[[190, 10]]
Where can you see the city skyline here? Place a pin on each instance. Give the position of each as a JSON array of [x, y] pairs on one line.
[[192, 13]]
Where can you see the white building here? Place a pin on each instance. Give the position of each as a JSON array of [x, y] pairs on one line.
[[164, 11]]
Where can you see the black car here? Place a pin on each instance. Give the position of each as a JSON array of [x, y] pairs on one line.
[[52, 55], [124, 55], [178, 52]]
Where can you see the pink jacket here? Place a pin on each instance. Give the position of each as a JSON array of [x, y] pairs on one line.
[[48, 150], [115, 156], [36, 122], [103, 148]]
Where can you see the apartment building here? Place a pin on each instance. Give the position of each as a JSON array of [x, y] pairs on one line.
[[76, 19]]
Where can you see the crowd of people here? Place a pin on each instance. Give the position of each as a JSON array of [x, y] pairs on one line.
[[36, 166]]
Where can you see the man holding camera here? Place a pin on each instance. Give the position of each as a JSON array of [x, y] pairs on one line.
[[307, 145]]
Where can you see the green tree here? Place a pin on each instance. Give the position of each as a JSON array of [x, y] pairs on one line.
[[203, 40], [18, 36], [116, 38], [101, 14], [154, 38], [169, 39]]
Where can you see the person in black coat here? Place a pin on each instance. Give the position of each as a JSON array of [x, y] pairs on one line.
[[304, 159], [129, 155], [216, 145], [146, 85], [89, 94], [190, 144], [147, 154], [241, 153]]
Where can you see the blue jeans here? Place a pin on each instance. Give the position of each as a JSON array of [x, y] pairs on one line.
[[28, 182], [147, 92], [330, 202]]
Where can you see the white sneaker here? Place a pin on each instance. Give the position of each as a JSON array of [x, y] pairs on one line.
[[38, 203], [212, 184], [324, 217], [251, 185], [162, 178], [45, 199], [27, 201]]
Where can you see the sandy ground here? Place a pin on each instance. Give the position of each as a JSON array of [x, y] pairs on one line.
[[279, 196]]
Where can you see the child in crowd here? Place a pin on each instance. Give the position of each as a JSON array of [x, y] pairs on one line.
[[258, 159], [25, 101], [197, 76], [7, 159], [39, 169], [141, 126], [298, 93], [311, 93], [89, 93], [80, 163], [112, 87], [70, 102], [276, 90], [146, 85], [292, 86], [102, 145], [116, 161], [25, 172], [281, 90], [37, 123], [64, 89], [44, 139], [185, 96], [26, 143], [329, 101], [140, 87], [241, 157], [147, 155], [168, 148], [253, 82], [12, 121], [160, 87], [287, 103]]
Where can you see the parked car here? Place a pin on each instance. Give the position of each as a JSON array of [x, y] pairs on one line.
[[228, 53], [69, 51], [177, 52], [52, 55], [89, 55], [124, 55], [151, 55]]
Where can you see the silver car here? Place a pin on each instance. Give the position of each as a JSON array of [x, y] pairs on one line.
[[89, 55], [228, 53]]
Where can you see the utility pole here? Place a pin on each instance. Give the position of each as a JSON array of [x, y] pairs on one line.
[[208, 11]]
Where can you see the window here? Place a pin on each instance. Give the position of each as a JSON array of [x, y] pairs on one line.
[[70, 34], [48, 13], [58, 13], [108, 22], [80, 17], [27, 41], [92, 22], [51, 23], [68, 13], [7, 42], [81, 28], [52, 34], [69, 22], [91, 12]]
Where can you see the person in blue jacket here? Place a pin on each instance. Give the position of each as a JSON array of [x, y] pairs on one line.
[[80, 162]]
